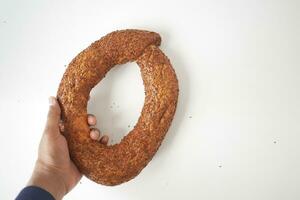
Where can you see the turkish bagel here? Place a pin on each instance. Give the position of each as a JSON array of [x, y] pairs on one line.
[[115, 164]]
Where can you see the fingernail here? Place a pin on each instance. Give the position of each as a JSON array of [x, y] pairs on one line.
[[52, 101], [95, 135], [104, 139]]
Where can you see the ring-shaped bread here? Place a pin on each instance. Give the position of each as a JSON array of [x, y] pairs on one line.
[[115, 164]]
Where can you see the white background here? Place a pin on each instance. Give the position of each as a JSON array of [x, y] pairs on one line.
[[236, 133]]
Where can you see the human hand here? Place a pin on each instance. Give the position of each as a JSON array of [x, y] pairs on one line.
[[54, 170]]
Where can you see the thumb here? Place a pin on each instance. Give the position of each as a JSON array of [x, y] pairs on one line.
[[53, 118]]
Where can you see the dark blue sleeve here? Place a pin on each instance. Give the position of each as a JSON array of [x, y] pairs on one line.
[[34, 193]]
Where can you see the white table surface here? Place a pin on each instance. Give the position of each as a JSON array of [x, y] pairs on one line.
[[236, 133]]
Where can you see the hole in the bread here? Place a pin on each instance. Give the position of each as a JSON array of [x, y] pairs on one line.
[[117, 101]]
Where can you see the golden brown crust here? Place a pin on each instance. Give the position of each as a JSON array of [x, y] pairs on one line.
[[113, 165]]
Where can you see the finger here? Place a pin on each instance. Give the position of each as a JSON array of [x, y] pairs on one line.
[[104, 139], [95, 134], [92, 121], [53, 117]]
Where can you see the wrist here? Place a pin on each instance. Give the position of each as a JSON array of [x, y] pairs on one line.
[[49, 179]]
